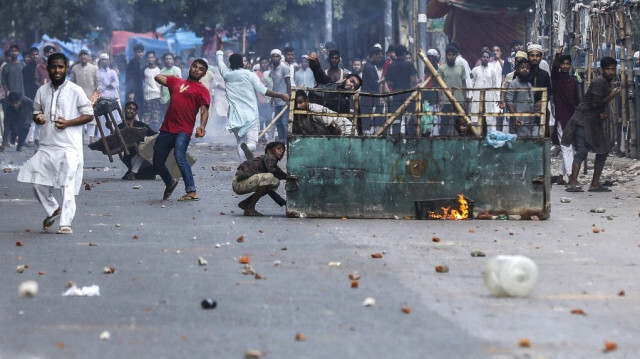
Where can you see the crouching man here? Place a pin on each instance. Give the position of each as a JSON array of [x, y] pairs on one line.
[[260, 175], [137, 167]]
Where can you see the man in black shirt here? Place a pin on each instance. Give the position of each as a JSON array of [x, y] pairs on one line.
[[138, 167], [539, 78], [370, 84], [260, 175], [135, 76], [402, 75], [18, 112]]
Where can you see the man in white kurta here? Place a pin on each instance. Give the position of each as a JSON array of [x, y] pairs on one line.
[[62, 108], [241, 86], [485, 77]]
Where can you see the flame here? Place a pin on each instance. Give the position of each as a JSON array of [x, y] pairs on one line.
[[461, 212]]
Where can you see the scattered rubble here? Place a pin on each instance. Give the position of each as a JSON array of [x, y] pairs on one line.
[[565, 200], [90, 291], [221, 168], [609, 346], [524, 343], [202, 261], [248, 270], [21, 268], [598, 210], [252, 354], [369, 302], [105, 335], [208, 304], [28, 289], [109, 270]]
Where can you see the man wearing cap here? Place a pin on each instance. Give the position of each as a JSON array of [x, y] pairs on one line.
[[281, 77], [538, 77], [509, 126], [18, 110], [304, 76], [108, 83], [85, 75]]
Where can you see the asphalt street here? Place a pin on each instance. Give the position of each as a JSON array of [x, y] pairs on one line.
[[301, 303]]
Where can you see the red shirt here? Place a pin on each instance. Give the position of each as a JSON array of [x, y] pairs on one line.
[[186, 99]]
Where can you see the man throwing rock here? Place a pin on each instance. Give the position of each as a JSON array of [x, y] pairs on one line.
[[187, 98]]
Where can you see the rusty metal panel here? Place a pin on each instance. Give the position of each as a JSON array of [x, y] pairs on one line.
[[382, 177]]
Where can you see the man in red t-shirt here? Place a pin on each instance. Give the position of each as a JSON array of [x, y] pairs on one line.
[[187, 98]]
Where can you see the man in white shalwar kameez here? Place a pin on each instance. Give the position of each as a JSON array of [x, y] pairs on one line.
[[241, 86], [62, 108], [485, 76]]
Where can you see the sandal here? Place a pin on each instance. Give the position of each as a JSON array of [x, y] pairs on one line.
[[574, 189], [189, 197], [65, 230], [599, 189], [50, 220], [169, 190]]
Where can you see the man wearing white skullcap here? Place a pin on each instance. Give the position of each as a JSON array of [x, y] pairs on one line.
[[538, 77]]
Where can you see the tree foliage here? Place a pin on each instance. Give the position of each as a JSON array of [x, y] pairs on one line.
[[282, 20]]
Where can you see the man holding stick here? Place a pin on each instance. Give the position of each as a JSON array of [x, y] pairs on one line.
[[241, 88]]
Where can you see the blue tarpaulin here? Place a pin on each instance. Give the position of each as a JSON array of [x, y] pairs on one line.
[[175, 42]]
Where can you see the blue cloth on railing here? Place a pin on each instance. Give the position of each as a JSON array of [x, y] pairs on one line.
[[497, 139]]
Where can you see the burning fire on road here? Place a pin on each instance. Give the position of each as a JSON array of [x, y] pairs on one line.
[[445, 208]]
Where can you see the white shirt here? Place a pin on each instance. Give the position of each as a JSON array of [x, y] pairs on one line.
[[59, 157], [151, 87], [304, 78], [344, 124], [241, 86]]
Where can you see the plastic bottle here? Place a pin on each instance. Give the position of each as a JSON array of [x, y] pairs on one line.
[[510, 276]]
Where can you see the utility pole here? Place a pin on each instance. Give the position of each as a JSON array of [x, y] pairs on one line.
[[422, 32], [388, 28], [328, 20]]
